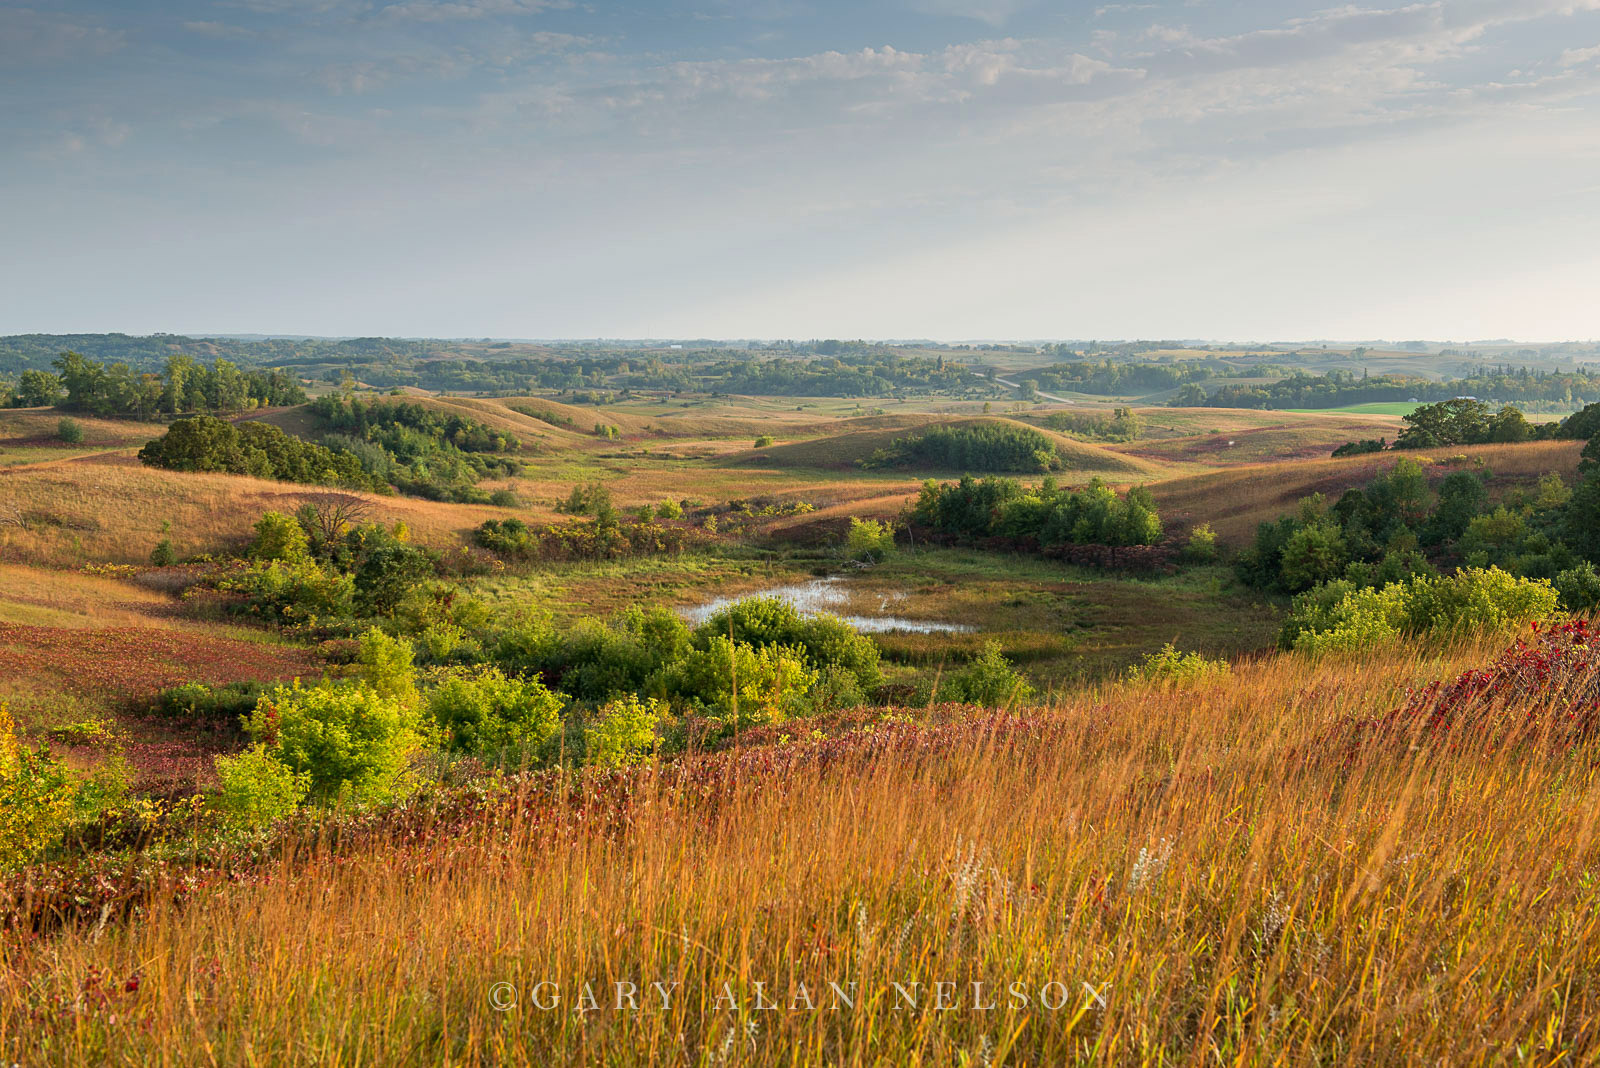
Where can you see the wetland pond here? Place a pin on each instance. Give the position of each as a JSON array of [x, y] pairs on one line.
[[833, 594]]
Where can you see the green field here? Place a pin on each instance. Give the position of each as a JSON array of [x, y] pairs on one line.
[[1401, 408]]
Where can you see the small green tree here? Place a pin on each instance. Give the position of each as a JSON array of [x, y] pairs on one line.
[[279, 537], [988, 679], [164, 555], [351, 741], [764, 441], [1202, 545], [624, 733], [387, 665], [70, 431], [257, 788], [868, 540]]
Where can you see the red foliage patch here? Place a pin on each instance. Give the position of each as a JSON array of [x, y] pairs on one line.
[[125, 666], [1545, 688], [128, 663]]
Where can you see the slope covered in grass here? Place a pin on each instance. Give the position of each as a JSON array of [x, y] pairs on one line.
[[1235, 500], [844, 448], [1164, 874]]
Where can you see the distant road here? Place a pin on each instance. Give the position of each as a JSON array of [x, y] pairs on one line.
[[1040, 392]]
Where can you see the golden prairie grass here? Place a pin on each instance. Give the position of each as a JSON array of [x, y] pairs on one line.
[[113, 509], [1184, 877]]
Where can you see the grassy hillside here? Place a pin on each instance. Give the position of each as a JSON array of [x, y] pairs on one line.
[[1165, 874], [1234, 501], [112, 509], [841, 449]]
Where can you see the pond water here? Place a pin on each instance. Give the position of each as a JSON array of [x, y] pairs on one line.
[[830, 595]]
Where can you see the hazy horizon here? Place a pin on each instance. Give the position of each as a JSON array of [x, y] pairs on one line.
[[801, 168]]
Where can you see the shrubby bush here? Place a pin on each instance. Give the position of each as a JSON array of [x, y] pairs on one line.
[[598, 539], [822, 640], [980, 447], [1170, 667], [988, 679], [38, 797], [868, 540], [352, 742], [486, 713], [1579, 588], [206, 443], [1201, 548], [294, 594], [279, 537], [226, 704], [258, 788], [1343, 617], [739, 684], [1049, 516], [624, 732]]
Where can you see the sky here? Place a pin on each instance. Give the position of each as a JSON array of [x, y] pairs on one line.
[[952, 169]]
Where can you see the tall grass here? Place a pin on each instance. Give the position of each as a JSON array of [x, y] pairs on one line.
[[1205, 880]]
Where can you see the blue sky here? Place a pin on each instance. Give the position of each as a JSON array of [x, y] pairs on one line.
[[798, 168]]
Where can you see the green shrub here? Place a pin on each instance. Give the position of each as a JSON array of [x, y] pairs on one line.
[[988, 679], [764, 441], [823, 640], [1579, 588], [164, 555], [38, 798], [624, 733], [592, 498], [1172, 667], [349, 739], [386, 569], [226, 704], [490, 715], [741, 684], [505, 498], [669, 510], [279, 537], [303, 592], [1342, 618], [869, 540], [1202, 545], [991, 446], [257, 788], [70, 431], [386, 665]]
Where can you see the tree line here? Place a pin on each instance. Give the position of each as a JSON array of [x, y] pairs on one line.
[[184, 386]]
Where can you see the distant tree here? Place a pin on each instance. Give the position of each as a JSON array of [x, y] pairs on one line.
[[37, 388], [1510, 426], [1461, 421]]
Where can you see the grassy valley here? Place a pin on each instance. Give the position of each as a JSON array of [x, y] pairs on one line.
[[354, 730]]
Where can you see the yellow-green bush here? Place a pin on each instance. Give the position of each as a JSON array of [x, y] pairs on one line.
[[257, 788], [351, 740], [624, 733], [1340, 617], [37, 797], [1170, 667], [488, 714]]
